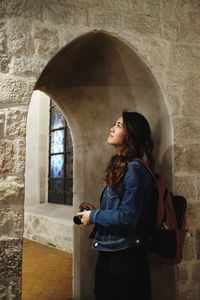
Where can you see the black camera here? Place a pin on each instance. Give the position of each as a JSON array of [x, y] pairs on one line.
[[82, 207], [77, 220]]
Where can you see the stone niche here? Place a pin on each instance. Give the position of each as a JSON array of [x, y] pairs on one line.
[[93, 79]]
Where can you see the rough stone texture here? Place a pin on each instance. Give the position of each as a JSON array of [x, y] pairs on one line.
[[186, 186], [65, 14], [145, 25], [27, 66], [11, 222], [189, 247], [191, 102], [156, 52], [26, 8], [105, 20], [7, 157], [15, 122], [2, 120], [18, 33], [46, 41], [187, 158], [197, 243], [187, 130], [20, 161], [10, 288], [198, 188], [193, 214], [185, 57], [196, 273], [15, 90], [10, 259], [49, 231], [183, 275], [11, 192]]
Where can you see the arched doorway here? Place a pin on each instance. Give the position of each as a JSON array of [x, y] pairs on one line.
[[93, 79]]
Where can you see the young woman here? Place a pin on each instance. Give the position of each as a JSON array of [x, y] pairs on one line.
[[122, 270]]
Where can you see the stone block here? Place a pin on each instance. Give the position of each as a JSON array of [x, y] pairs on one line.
[[2, 122], [3, 8], [198, 188], [196, 272], [190, 29], [15, 90], [45, 39], [7, 156], [28, 66], [11, 222], [144, 25], [4, 63], [186, 186], [169, 8], [193, 214], [191, 95], [56, 13], [197, 243], [189, 247], [2, 41], [10, 288], [18, 36], [183, 273], [170, 29], [11, 192], [107, 20], [187, 159], [26, 8], [182, 79], [186, 130], [20, 161], [11, 257], [16, 122], [156, 52], [122, 5], [152, 7], [185, 57]]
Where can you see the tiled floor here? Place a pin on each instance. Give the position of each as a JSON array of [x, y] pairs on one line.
[[47, 273]]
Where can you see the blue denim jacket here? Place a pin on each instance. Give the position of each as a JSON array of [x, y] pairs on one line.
[[119, 221]]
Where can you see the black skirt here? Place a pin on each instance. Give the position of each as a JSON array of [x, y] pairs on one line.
[[123, 275]]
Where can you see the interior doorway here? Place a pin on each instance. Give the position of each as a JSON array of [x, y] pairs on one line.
[[48, 209]]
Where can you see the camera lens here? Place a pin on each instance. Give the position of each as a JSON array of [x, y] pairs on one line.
[[77, 220]]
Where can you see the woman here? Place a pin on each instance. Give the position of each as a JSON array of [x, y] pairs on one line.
[[122, 270]]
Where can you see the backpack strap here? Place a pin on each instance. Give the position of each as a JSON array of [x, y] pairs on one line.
[[147, 167], [161, 215]]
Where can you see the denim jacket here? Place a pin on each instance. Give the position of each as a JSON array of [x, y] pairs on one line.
[[119, 221]]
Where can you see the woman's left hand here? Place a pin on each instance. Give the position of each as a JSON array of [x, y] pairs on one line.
[[84, 216]]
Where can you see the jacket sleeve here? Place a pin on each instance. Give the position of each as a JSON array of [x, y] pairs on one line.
[[131, 204]]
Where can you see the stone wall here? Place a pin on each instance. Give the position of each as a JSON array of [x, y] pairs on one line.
[[165, 34]]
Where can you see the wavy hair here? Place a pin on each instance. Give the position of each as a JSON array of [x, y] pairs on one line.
[[138, 144]]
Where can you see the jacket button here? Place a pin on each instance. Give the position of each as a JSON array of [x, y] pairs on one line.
[[96, 244]]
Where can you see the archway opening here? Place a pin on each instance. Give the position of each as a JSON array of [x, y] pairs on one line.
[[48, 205], [93, 79]]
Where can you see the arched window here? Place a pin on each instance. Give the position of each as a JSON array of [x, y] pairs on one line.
[[60, 158]]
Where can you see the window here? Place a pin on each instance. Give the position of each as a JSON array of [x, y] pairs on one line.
[[60, 158]]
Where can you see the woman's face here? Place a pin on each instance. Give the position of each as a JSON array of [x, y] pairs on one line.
[[117, 136]]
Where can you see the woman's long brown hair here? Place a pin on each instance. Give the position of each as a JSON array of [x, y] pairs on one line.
[[138, 144]]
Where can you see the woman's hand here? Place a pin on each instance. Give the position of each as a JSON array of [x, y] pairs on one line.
[[84, 216]]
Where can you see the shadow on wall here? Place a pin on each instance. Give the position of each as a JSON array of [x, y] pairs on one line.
[[93, 79]]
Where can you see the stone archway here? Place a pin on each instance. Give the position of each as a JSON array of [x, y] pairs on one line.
[[93, 79]]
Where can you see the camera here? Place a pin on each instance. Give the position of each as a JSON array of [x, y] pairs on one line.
[[77, 220], [82, 207]]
